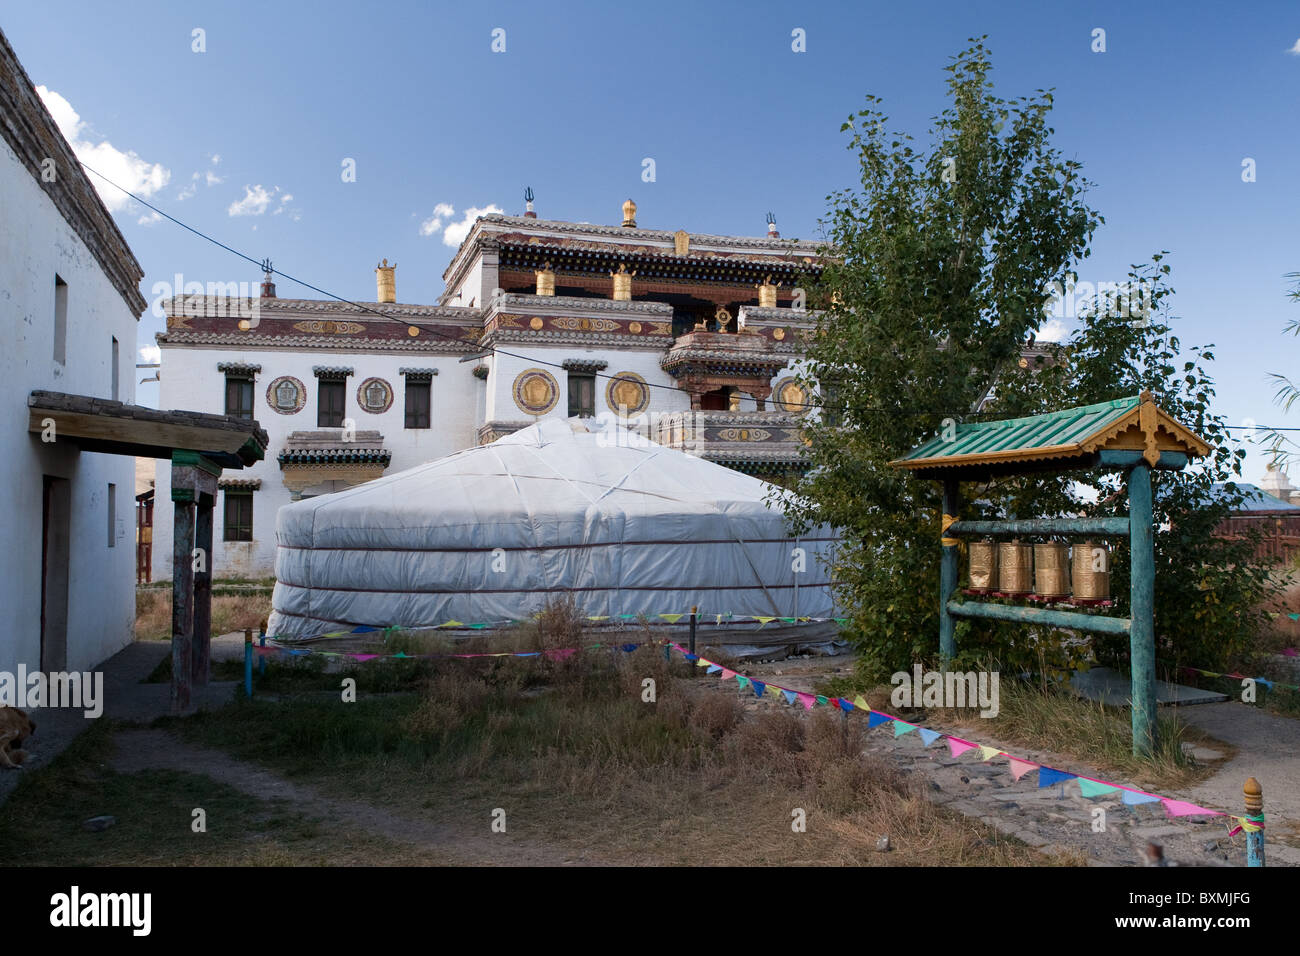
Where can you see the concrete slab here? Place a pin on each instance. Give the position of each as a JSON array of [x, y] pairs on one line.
[[1108, 686]]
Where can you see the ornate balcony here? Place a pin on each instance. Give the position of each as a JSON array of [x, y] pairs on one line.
[[769, 445]]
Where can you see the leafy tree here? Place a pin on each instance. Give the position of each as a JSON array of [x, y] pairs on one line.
[[938, 267], [1284, 449]]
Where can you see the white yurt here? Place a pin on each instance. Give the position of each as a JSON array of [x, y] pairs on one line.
[[581, 507]]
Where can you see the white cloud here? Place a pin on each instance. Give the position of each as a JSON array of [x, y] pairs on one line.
[[441, 212], [189, 190], [255, 202], [1053, 330], [455, 233], [216, 158], [150, 353], [150, 219], [1295, 49], [126, 169], [294, 214], [212, 178]]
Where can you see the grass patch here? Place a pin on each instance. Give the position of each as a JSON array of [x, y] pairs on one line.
[[1055, 720], [230, 612], [569, 748]]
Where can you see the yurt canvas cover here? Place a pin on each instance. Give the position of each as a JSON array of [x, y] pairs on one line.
[[492, 533]]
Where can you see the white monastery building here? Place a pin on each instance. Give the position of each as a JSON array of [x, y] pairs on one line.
[[693, 337]]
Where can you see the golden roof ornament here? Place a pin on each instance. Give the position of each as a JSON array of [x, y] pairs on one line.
[[723, 318], [385, 282], [629, 215], [681, 242]]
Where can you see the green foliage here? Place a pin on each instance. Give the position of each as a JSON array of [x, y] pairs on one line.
[[1282, 448], [940, 264]]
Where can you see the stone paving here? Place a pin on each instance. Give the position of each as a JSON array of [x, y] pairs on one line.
[[1055, 819]]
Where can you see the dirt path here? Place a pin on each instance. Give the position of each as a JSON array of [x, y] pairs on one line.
[[138, 750], [1268, 749]]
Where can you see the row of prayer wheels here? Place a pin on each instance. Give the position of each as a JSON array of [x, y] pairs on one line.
[[1047, 570]]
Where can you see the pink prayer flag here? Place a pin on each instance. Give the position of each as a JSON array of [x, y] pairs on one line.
[[807, 700], [957, 746], [363, 657], [1020, 767], [727, 675], [561, 654], [1180, 808]]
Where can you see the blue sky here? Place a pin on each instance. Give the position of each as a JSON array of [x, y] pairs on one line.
[[735, 120]]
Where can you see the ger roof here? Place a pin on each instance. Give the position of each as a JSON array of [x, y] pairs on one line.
[[1134, 423]]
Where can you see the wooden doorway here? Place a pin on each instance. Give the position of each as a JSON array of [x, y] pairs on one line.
[[56, 522]]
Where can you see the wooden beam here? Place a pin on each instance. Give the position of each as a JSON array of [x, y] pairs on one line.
[[1070, 620], [1065, 526], [130, 431], [1119, 458]]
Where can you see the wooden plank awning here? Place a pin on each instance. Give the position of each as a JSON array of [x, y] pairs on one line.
[[1081, 437], [115, 428]]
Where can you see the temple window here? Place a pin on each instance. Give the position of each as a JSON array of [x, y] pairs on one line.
[[417, 404], [239, 395], [582, 394], [330, 396], [238, 515]]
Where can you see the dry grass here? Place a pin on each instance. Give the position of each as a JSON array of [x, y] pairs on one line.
[[153, 613], [1074, 728], [583, 761]]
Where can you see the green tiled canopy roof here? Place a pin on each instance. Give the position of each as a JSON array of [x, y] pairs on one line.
[[1133, 423]]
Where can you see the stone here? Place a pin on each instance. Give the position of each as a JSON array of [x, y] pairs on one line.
[[883, 844], [96, 824]]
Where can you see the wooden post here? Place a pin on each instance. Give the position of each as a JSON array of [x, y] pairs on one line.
[[200, 657], [182, 599], [194, 483], [694, 609], [948, 572], [1142, 648], [1255, 809], [248, 663]]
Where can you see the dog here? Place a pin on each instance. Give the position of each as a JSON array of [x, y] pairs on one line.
[[15, 727]]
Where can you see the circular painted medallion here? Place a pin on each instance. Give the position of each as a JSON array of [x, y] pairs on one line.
[[536, 392], [790, 397], [375, 395], [627, 394], [286, 395]]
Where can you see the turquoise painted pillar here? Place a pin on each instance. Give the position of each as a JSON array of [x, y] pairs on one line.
[[1142, 580], [948, 571]]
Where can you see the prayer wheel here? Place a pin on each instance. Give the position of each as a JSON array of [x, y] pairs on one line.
[[983, 565], [1052, 569], [1091, 571], [1015, 567]]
